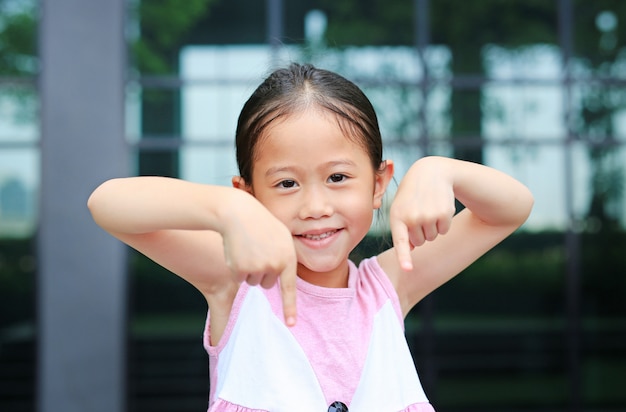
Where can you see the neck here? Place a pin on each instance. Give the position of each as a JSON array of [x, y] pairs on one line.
[[336, 278]]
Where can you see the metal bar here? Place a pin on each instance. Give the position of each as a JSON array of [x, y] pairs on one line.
[[274, 10], [460, 82], [572, 238], [175, 142], [428, 364], [422, 40]]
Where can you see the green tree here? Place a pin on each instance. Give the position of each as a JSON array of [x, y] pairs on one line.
[[599, 52], [161, 27], [18, 34], [18, 58]]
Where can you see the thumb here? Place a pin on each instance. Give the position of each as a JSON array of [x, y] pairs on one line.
[[288, 292], [402, 245]]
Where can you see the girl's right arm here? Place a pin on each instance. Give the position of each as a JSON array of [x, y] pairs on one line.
[[212, 236]]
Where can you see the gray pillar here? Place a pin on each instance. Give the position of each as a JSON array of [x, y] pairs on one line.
[[81, 279]]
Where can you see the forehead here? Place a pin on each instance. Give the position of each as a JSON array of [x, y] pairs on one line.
[[310, 127], [309, 131]]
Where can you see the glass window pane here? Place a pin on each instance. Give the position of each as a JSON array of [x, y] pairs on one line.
[[210, 113], [599, 196], [524, 97], [208, 164], [540, 62], [513, 112], [19, 186], [18, 112], [159, 111], [219, 79], [157, 160], [542, 169], [599, 111]]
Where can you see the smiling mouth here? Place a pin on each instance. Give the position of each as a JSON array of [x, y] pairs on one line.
[[319, 236]]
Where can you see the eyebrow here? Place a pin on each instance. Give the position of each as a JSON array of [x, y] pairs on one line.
[[274, 170], [334, 163]]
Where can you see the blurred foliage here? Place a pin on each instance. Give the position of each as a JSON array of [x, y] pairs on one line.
[[600, 52], [462, 26], [18, 38], [599, 34], [18, 57], [162, 25]]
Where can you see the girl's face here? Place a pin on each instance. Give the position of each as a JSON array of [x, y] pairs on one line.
[[321, 185]]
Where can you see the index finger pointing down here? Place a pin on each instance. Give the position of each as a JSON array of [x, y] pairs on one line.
[[288, 292], [402, 245]]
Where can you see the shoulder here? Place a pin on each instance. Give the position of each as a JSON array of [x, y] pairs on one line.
[[375, 284], [369, 269]]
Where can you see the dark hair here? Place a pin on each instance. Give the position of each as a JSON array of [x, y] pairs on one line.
[[298, 87]]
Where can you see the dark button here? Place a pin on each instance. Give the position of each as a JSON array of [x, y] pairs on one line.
[[338, 407]]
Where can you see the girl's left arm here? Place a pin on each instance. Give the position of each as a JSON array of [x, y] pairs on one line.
[[431, 243]]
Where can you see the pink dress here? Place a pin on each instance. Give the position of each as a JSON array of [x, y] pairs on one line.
[[348, 346]]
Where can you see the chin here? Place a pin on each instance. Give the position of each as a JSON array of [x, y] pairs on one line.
[[323, 266]]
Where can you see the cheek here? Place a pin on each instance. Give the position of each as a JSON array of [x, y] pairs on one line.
[[360, 206], [279, 207]]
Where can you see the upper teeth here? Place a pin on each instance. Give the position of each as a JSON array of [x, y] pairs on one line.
[[318, 237]]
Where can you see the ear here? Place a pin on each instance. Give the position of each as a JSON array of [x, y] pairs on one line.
[[240, 183], [382, 178]]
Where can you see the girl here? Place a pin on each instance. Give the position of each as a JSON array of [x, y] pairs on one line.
[[319, 334]]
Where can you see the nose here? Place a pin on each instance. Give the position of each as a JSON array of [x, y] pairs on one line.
[[316, 203]]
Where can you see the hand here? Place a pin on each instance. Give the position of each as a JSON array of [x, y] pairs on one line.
[[422, 210], [259, 250]]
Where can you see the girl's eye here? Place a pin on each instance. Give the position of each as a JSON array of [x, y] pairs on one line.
[[337, 177], [287, 184]]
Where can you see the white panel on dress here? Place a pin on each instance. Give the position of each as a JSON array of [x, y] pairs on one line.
[[389, 382], [261, 342]]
